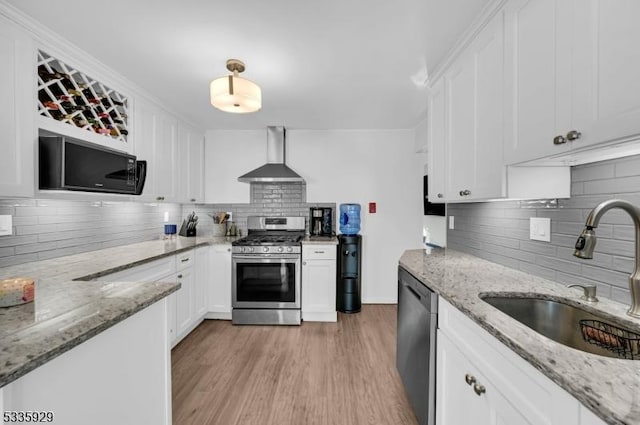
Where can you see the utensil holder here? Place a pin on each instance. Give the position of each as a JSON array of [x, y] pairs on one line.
[[219, 229]]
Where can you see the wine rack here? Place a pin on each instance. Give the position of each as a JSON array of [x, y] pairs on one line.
[[68, 95]]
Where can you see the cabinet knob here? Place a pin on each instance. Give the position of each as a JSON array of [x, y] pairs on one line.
[[479, 389], [469, 379], [304, 263], [439, 195], [193, 199], [559, 140], [160, 198], [179, 276], [465, 192], [573, 135]]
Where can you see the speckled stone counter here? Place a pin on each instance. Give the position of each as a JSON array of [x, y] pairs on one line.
[[320, 240], [609, 387], [67, 312]]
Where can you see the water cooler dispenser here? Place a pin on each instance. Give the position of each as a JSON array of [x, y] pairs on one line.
[[349, 290]]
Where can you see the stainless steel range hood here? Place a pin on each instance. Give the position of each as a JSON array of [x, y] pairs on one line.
[[275, 170]]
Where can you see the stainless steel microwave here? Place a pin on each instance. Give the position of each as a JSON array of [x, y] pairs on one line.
[[70, 164]]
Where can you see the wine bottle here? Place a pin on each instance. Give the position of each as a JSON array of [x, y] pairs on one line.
[[47, 76], [51, 105]]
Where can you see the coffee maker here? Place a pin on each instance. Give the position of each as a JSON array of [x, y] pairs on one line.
[[320, 221]]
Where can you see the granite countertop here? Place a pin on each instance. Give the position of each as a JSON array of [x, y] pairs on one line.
[[607, 386], [320, 240], [67, 312]]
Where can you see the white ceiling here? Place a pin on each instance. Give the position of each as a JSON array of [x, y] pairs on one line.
[[328, 64]]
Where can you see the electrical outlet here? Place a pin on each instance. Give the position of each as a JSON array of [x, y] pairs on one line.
[[451, 223], [6, 225], [540, 229]]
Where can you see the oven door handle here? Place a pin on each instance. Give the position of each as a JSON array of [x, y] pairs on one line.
[[259, 258]]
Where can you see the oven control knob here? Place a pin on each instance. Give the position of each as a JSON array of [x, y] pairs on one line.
[[280, 249], [289, 249], [265, 249]]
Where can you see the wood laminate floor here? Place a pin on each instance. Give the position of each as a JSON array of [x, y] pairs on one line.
[[318, 373]]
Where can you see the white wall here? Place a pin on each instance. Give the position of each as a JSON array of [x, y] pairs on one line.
[[362, 166]]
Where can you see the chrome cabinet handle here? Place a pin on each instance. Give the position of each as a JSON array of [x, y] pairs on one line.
[[160, 198], [440, 195], [559, 140], [318, 252], [184, 260], [573, 135], [479, 389], [179, 276], [193, 199], [469, 379], [465, 192]]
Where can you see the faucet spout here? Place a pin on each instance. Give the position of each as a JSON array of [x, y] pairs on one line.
[[587, 241]]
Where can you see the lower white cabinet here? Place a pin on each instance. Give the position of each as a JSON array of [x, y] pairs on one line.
[[218, 290], [481, 381], [184, 302], [318, 286]]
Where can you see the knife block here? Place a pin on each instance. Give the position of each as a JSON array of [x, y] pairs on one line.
[[186, 232]]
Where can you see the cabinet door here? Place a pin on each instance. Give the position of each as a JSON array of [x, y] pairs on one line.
[[196, 167], [606, 69], [17, 109], [318, 287], [184, 301], [537, 77], [165, 157], [475, 118], [436, 151], [145, 146], [456, 403], [219, 289], [202, 281]]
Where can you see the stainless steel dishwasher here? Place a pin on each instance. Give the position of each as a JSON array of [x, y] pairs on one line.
[[416, 347]]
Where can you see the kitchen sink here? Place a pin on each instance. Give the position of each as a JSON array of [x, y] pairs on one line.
[[570, 325]]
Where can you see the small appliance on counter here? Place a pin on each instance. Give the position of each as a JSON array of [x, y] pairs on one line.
[[320, 221]]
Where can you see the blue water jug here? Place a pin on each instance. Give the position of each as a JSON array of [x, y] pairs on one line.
[[349, 219]]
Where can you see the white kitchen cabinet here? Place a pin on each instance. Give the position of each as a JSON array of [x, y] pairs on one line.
[[571, 67], [219, 283], [156, 142], [190, 145], [17, 110], [185, 305], [436, 151], [514, 391], [318, 283], [474, 119], [202, 281]]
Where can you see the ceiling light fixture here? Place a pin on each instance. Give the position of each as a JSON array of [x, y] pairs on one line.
[[235, 94]]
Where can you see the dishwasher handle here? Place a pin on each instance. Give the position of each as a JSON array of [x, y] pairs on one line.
[[413, 291]]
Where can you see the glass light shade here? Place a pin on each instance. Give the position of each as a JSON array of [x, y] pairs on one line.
[[245, 97]]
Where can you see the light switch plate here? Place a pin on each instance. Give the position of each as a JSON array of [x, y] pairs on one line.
[[540, 229], [6, 225]]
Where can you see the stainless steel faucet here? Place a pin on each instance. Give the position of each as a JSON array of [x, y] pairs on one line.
[[587, 242]]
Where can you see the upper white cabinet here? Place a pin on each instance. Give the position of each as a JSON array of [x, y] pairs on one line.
[[473, 87], [190, 146], [571, 76], [466, 123], [17, 109], [436, 123], [156, 142]]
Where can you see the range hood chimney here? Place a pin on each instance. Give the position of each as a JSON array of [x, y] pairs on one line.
[[275, 170]]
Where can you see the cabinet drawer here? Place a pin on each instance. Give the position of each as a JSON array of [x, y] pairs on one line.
[[319, 252], [185, 259]]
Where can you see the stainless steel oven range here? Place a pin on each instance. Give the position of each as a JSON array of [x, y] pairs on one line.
[[266, 272]]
